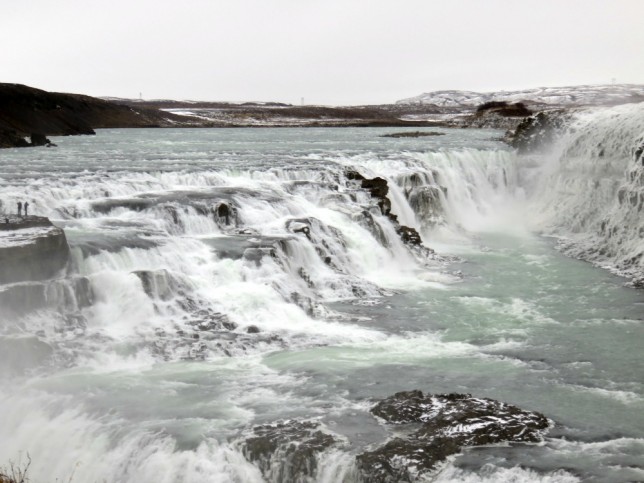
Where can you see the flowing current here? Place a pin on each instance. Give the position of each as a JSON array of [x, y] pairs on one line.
[[223, 279]]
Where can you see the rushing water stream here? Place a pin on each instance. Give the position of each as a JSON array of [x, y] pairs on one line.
[[222, 279]]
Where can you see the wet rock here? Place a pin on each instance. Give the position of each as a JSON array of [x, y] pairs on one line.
[[210, 321], [64, 296], [535, 132], [249, 246], [304, 275], [427, 203], [354, 175], [377, 186], [174, 214], [287, 451], [299, 226], [328, 241], [11, 139], [156, 283], [504, 109], [39, 139], [252, 329], [132, 204], [639, 153], [367, 220], [31, 249], [409, 235], [441, 426], [412, 134]]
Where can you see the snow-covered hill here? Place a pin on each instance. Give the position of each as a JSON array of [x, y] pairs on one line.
[[565, 96]]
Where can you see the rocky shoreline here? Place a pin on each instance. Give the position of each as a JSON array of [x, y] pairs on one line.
[[33, 113]]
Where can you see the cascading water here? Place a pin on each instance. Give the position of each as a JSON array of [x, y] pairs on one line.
[[592, 189], [223, 280]]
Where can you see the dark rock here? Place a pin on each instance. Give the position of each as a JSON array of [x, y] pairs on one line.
[[225, 214], [538, 131], [286, 451], [368, 221], [638, 153], [354, 175], [21, 354], [409, 235], [505, 109], [402, 460], [39, 139], [445, 424], [412, 134], [156, 283], [327, 241], [9, 138], [377, 186], [299, 226], [427, 202], [252, 329], [31, 249]]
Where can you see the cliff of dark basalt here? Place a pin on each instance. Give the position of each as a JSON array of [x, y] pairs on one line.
[[25, 112]]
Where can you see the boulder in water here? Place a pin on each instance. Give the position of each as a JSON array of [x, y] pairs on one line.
[[446, 423], [9, 138], [39, 139], [287, 450]]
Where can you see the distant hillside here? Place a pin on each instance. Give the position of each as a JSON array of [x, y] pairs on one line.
[[25, 110], [555, 96]]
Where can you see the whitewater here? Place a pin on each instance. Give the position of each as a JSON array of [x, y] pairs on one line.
[[224, 279]]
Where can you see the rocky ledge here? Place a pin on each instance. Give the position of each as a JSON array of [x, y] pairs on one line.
[[412, 134], [379, 189], [442, 425], [287, 450], [31, 249]]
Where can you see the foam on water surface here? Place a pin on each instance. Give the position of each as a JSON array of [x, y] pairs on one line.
[[242, 277]]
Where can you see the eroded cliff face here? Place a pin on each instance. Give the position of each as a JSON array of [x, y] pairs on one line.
[[31, 249]]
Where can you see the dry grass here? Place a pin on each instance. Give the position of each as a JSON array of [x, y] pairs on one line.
[[15, 473]]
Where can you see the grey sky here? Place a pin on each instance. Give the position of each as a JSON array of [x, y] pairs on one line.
[[329, 52]]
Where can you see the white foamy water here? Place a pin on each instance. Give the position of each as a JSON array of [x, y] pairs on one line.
[[222, 279]]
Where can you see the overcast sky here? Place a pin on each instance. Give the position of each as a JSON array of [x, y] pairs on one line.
[[325, 51]]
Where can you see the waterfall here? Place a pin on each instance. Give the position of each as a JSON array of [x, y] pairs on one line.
[[591, 189], [145, 358]]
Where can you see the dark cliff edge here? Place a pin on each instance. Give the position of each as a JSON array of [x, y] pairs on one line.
[[34, 113], [29, 112]]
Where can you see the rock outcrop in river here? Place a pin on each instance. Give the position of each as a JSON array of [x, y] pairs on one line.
[[442, 425], [31, 249], [436, 427]]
